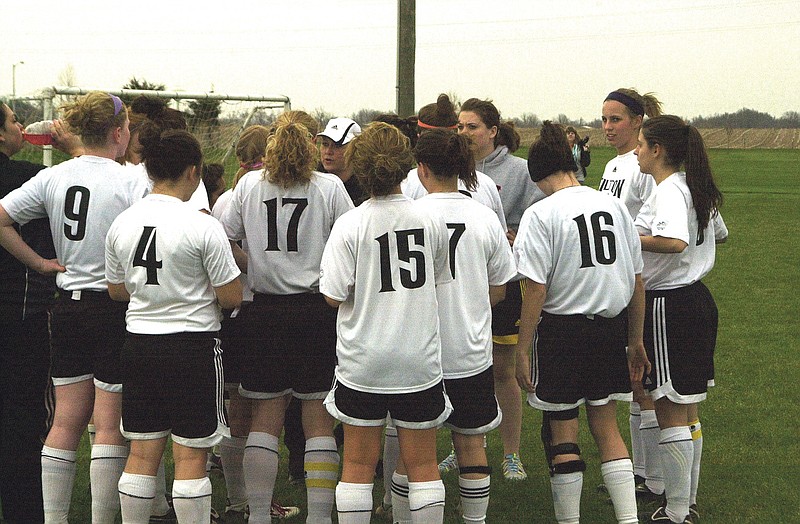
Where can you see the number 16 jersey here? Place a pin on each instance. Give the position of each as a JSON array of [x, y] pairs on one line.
[[583, 246]]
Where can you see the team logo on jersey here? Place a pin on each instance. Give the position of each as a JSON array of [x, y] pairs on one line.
[[661, 226]]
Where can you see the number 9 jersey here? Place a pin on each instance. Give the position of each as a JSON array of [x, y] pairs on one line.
[[81, 197], [583, 246]]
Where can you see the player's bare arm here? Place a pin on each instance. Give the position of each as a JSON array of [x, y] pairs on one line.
[[662, 244], [638, 364]]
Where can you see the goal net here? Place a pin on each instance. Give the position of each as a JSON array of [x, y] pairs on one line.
[[216, 119]]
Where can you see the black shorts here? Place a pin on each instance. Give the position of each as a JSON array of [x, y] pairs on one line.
[[289, 346], [420, 410], [87, 333], [680, 334], [505, 315], [173, 384], [579, 360], [231, 337], [475, 408]]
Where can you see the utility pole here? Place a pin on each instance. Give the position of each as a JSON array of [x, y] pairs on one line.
[[14, 83], [406, 49]]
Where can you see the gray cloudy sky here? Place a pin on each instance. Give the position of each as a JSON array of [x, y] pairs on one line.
[[530, 56]]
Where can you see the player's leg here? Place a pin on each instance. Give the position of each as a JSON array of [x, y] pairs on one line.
[[108, 455], [560, 439], [191, 490], [697, 444], [616, 466], [425, 487], [321, 461], [474, 477], [677, 453], [261, 456], [232, 451], [354, 493], [138, 482], [74, 403]]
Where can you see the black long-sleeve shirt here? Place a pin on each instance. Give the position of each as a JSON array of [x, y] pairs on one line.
[[24, 292]]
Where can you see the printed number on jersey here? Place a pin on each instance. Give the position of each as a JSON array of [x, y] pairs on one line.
[[300, 205], [405, 255], [456, 230], [603, 240], [76, 208], [146, 257]]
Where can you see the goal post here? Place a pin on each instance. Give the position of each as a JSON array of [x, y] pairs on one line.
[[218, 137]]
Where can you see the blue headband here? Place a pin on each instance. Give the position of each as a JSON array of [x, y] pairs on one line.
[[629, 102], [117, 103]]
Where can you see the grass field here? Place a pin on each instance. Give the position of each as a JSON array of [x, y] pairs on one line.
[[751, 458]]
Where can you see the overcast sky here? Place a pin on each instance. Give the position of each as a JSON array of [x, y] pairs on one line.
[[529, 56]]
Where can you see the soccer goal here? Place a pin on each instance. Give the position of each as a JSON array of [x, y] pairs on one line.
[[216, 119]]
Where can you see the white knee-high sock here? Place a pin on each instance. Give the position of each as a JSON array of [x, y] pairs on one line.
[[391, 453], [426, 500], [677, 454], [322, 471], [697, 441], [260, 470], [231, 451], [474, 498], [160, 504], [354, 503], [58, 478], [566, 489], [105, 470], [401, 512], [618, 478], [637, 451], [650, 432], [136, 494], [192, 500]]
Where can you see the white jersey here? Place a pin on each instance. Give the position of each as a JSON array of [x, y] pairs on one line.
[[286, 229], [170, 257], [623, 179], [583, 246], [81, 197], [670, 213], [383, 261], [485, 192], [219, 208], [480, 256], [198, 200]]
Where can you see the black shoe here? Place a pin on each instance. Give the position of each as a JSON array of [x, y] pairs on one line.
[[169, 516], [644, 496], [660, 516], [694, 515]]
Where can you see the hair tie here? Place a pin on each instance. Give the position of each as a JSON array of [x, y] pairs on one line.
[[423, 125], [117, 103], [629, 102], [251, 166]]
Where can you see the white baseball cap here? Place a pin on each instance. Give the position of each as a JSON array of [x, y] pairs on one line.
[[341, 130]]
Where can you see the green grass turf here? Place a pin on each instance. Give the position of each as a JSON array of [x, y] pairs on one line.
[[751, 464]]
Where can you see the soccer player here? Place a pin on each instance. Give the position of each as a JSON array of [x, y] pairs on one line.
[[285, 212], [175, 267], [581, 258], [623, 113], [679, 225], [386, 257], [493, 143], [481, 263], [81, 197]]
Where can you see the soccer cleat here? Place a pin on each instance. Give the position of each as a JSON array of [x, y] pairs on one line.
[[384, 512], [645, 496], [512, 467], [449, 463], [214, 464], [240, 511], [659, 516], [215, 518], [276, 511], [694, 515], [169, 516]]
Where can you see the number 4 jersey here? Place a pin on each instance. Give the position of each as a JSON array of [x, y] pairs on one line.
[[170, 257], [383, 261], [81, 197], [583, 246]]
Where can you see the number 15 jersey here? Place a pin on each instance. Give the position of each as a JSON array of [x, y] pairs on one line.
[[383, 261]]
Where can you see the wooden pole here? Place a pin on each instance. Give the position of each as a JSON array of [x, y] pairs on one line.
[[406, 49]]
